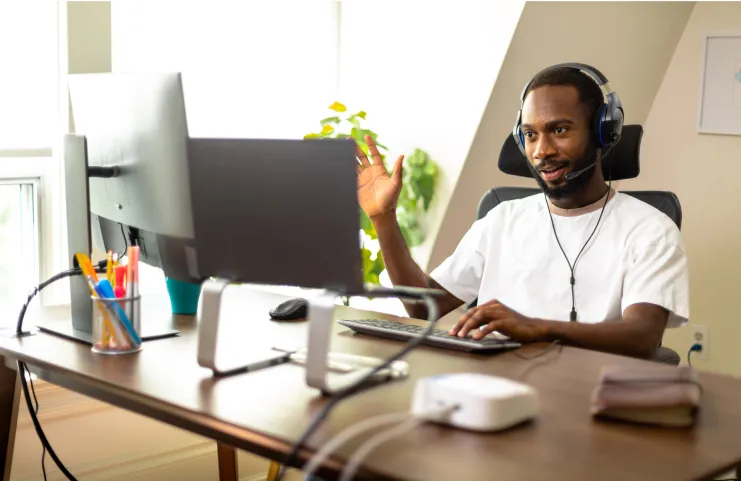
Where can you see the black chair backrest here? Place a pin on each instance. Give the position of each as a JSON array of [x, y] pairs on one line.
[[623, 159], [666, 202], [622, 162]]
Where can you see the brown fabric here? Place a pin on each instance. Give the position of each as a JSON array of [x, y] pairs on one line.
[[667, 396]]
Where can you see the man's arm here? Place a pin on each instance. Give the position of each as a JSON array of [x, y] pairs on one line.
[[403, 270], [637, 334]]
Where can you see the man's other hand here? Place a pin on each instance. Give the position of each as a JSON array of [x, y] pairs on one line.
[[378, 191]]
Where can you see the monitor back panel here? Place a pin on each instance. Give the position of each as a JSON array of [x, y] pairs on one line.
[[280, 212]]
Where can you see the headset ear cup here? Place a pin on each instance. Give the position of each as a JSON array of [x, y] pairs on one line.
[[517, 133], [599, 126]]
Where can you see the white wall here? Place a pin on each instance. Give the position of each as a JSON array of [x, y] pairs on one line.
[[424, 71], [704, 171]]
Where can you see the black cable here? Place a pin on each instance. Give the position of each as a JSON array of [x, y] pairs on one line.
[[541, 353], [572, 280], [432, 317], [69, 273], [36, 411], [40, 432], [100, 267], [693, 348], [22, 369], [126, 241]]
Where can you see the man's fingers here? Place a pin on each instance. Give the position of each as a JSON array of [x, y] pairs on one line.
[[398, 166], [375, 154], [487, 329], [362, 157], [359, 169], [458, 325], [474, 321]]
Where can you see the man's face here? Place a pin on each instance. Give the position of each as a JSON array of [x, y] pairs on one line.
[[557, 139]]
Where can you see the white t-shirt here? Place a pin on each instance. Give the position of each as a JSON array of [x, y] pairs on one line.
[[635, 256]]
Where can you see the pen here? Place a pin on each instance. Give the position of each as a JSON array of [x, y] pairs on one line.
[[129, 276], [135, 280], [111, 327]]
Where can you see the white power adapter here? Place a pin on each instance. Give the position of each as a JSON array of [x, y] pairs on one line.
[[483, 402]]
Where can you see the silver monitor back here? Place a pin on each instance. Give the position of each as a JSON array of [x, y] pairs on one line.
[[281, 212], [136, 121]]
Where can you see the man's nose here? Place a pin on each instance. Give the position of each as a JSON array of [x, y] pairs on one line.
[[544, 148]]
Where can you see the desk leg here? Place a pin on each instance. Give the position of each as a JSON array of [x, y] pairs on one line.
[[273, 471], [10, 389], [228, 469]]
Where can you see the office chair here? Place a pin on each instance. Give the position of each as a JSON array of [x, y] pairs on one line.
[[624, 158]]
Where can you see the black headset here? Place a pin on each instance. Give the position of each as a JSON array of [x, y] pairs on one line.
[[608, 119]]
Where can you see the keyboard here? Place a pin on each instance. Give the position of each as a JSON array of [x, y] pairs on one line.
[[438, 337]]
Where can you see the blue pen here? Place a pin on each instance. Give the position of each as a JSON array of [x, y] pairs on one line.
[[105, 290]]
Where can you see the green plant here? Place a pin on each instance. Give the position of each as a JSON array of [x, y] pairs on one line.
[[419, 178]]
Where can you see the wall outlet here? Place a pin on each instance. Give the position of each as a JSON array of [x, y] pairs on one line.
[[700, 336]]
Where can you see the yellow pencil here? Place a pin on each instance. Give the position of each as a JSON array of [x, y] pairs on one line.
[[109, 267]]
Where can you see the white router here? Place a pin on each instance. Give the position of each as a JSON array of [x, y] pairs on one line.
[[484, 403]]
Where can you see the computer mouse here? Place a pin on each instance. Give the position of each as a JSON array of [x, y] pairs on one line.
[[289, 310]]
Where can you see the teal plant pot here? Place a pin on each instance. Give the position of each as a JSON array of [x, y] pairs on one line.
[[184, 296]]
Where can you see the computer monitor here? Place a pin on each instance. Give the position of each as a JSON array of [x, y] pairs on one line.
[[278, 211], [130, 129]]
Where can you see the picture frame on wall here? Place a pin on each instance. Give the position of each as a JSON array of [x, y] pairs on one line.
[[720, 85]]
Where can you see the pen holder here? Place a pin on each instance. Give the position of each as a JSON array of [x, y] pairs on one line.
[[114, 319]]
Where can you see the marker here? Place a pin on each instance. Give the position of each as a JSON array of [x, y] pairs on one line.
[[120, 277]]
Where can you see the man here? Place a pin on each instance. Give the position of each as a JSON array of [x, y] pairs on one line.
[[629, 279]]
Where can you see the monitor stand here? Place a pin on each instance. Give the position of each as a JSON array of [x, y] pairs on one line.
[[79, 239], [66, 330]]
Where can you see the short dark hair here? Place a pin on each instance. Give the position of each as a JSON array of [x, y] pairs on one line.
[[590, 94]]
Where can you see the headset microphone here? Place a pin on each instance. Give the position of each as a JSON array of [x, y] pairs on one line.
[[574, 175]]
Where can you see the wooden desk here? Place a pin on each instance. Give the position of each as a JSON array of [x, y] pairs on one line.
[[263, 412]]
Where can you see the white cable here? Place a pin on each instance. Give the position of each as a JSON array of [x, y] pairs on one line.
[[368, 446], [348, 433]]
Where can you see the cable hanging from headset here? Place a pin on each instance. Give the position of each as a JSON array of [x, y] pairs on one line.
[[572, 268]]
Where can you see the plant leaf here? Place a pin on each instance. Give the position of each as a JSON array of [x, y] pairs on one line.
[[330, 120], [338, 107]]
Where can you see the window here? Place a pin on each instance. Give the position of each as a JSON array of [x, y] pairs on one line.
[[19, 230], [28, 84], [29, 130], [250, 69]]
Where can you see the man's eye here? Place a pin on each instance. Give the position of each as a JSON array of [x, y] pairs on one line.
[[529, 134], [559, 130]]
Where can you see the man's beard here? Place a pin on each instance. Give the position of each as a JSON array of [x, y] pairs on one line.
[[569, 187]]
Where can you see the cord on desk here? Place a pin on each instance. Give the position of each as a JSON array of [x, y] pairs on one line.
[[541, 353], [36, 412], [23, 369], [695, 348], [348, 433], [432, 318], [368, 446]]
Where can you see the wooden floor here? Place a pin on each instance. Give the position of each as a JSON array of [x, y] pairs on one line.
[[97, 441]]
